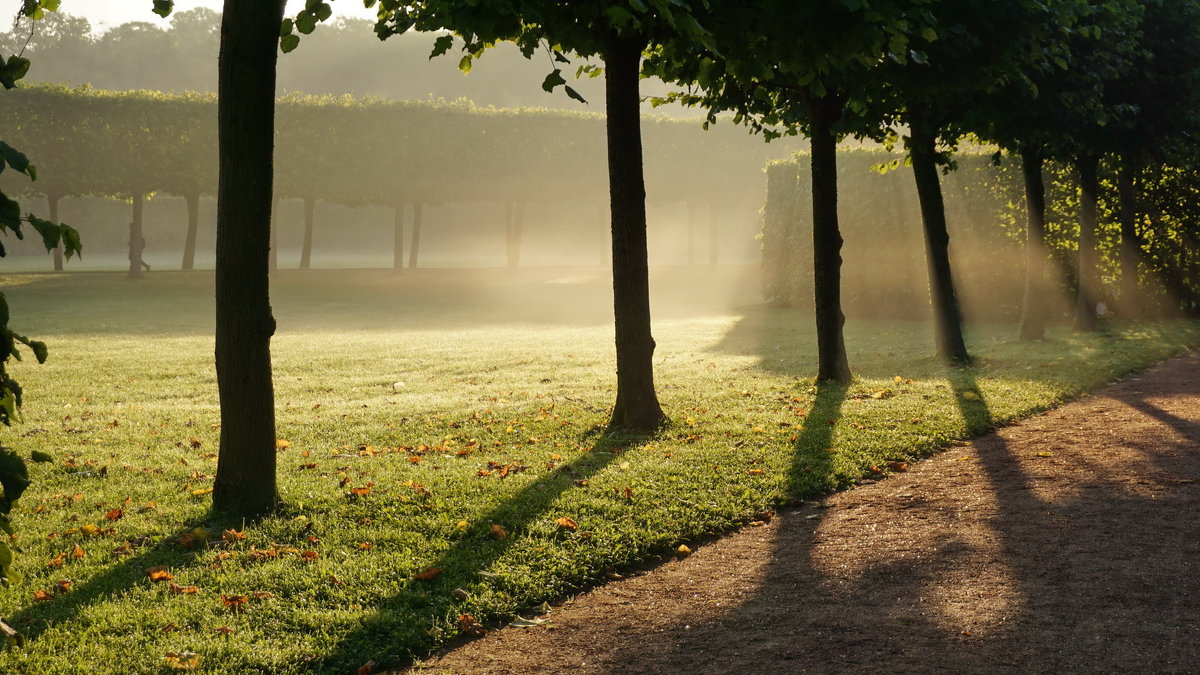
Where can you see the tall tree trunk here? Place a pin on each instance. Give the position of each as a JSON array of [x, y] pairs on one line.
[[514, 221], [273, 260], [245, 482], [1089, 258], [637, 405], [712, 235], [947, 316], [398, 239], [189, 242], [413, 249], [52, 212], [1033, 306], [1131, 244], [832, 364], [310, 207], [691, 234], [137, 242]]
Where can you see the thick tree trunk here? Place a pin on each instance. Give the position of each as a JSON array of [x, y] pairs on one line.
[[245, 482], [691, 234], [310, 207], [947, 316], [514, 224], [398, 239], [273, 260], [415, 245], [1089, 258], [1033, 306], [189, 242], [52, 212], [137, 243], [832, 364], [712, 235], [1131, 244], [637, 405]]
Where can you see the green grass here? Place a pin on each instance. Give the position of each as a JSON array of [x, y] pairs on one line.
[[496, 371]]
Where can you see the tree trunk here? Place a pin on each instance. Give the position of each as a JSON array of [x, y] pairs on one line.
[[310, 207], [52, 212], [137, 243], [712, 235], [691, 234], [273, 261], [418, 207], [1089, 258], [637, 407], [398, 239], [832, 364], [1033, 306], [245, 482], [189, 242], [514, 223], [947, 316], [1131, 244]]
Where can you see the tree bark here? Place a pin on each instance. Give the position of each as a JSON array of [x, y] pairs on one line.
[[514, 221], [52, 212], [1089, 259], [947, 316], [398, 239], [310, 207], [273, 260], [413, 249], [189, 242], [832, 364], [1033, 306], [1131, 244], [245, 482], [137, 243], [637, 407]]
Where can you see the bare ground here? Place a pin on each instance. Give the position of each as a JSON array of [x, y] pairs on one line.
[[1065, 543]]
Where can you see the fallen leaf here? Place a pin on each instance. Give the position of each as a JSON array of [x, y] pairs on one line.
[[63, 586], [468, 625], [281, 444], [201, 491], [898, 467], [567, 524], [309, 555], [195, 443], [428, 574], [683, 551], [262, 595], [234, 603], [182, 590], [226, 630], [182, 660], [91, 530], [368, 667], [522, 622], [360, 491], [755, 472], [169, 627], [366, 545], [57, 561], [159, 573], [1045, 454], [233, 535], [114, 514], [41, 595], [498, 532], [78, 552]]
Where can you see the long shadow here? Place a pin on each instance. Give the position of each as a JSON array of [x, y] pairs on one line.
[[1043, 573], [812, 461], [471, 554]]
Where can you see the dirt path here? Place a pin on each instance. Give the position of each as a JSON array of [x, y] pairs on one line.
[[1065, 543]]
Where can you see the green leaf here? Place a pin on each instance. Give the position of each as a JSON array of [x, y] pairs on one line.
[[51, 232], [70, 241], [163, 8], [464, 64], [8, 406], [13, 157], [306, 22], [323, 11], [558, 57], [14, 69], [288, 42], [286, 27], [553, 80], [13, 476], [10, 213], [575, 95], [442, 45]]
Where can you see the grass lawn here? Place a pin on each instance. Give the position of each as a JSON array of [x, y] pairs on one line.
[[444, 421]]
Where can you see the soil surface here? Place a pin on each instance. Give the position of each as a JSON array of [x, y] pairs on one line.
[[1065, 543]]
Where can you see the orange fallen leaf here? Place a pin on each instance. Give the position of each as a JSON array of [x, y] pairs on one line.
[[57, 561], [226, 630], [233, 535], [78, 552], [41, 595], [360, 491], [366, 668], [159, 573], [182, 590], [114, 514], [64, 585], [898, 467], [262, 595], [169, 627], [182, 660], [195, 443], [366, 545], [567, 524], [498, 532], [234, 602], [428, 574], [201, 492], [309, 555], [281, 444], [468, 625], [755, 472]]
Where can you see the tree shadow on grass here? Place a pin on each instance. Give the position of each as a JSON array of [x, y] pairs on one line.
[[465, 565]]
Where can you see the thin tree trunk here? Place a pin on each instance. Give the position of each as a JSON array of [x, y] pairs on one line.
[[398, 239], [1131, 244], [273, 261], [691, 234], [137, 243], [245, 482], [637, 406], [514, 216], [712, 235], [832, 364], [947, 316], [310, 207], [189, 242], [415, 247], [1089, 258], [52, 211], [1033, 306]]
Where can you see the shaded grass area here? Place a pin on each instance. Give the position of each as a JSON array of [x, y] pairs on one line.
[[444, 422]]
